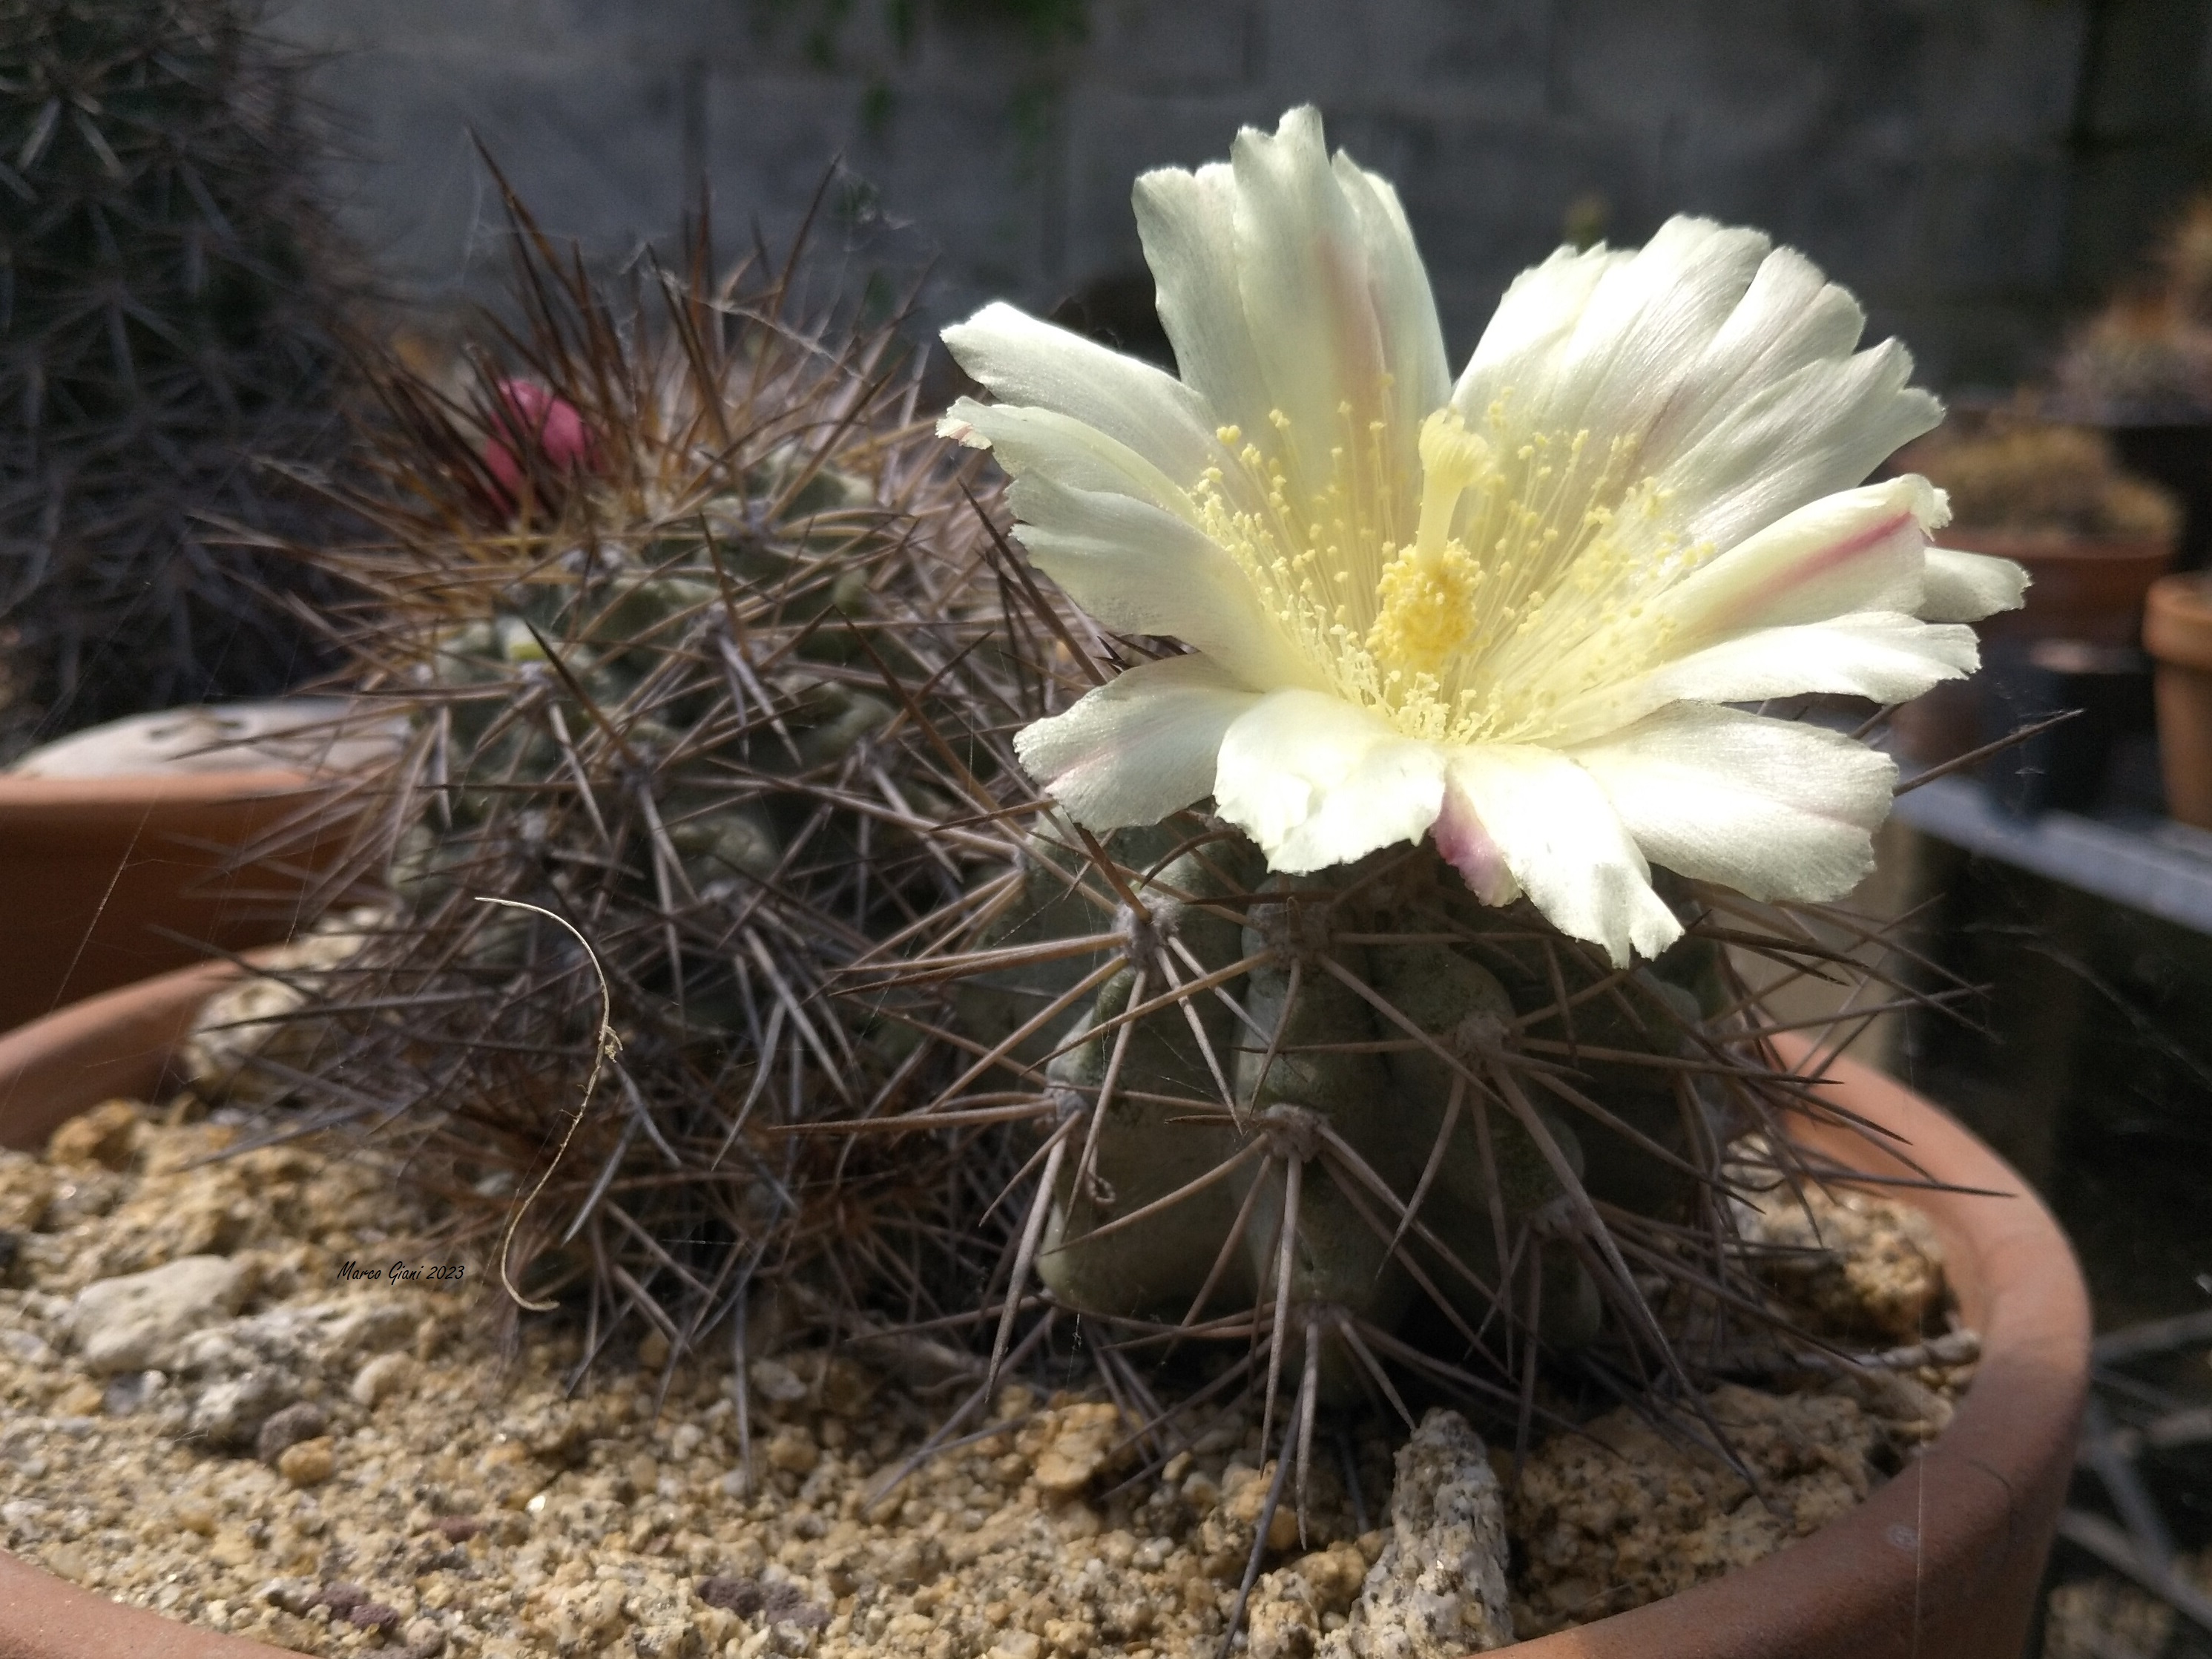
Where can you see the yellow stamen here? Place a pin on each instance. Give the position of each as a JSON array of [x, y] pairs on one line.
[[1466, 602]]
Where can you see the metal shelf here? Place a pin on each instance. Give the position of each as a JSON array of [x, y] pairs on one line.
[[2152, 864]]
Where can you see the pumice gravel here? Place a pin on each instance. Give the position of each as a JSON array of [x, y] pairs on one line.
[[223, 1403]]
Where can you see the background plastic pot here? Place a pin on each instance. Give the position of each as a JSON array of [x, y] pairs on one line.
[[1943, 1560]]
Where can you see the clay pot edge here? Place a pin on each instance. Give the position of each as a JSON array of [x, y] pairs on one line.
[[2177, 620]]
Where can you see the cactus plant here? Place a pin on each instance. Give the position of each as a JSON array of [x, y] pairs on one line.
[[1362, 1118], [729, 681], [2009, 470], [2146, 356], [668, 663], [170, 294], [1370, 981]]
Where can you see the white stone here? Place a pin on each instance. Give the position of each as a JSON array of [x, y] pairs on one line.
[[774, 1380], [229, 1413], [1438, 1589], [385, 1375], [380, 1327], [135, 1323]]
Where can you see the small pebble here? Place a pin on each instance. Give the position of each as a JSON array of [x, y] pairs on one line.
[[309, 1463], [106, 1135], [371, 1615], [383, 1376], [288, 1428]]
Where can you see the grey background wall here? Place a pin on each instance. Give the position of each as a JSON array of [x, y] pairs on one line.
[[1976, 169]]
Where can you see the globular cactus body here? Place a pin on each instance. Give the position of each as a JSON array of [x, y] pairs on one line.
[[1361, 1102]]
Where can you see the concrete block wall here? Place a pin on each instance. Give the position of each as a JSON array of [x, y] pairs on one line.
[[1918, 149]]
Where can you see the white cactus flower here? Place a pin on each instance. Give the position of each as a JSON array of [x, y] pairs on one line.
[[1509, 611]]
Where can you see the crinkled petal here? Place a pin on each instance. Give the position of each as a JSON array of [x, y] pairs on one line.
[[1138, 747], [1552, 826], [1019, 360], [1789, 317], [1781, 409], [1316, 781], [1539, 310], [1775, 809], [1060, 447], [1964, 588], [1819, 430], [1289, 285], [1398, 289], [1139, 569], [1188, 221], [1641, 329], [1314, 303], [1730, 368], [1879, 655]]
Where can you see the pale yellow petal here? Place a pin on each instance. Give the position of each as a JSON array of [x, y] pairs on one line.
[[1317, 782], [1138, 747], [1563, 843], [1775, 809]]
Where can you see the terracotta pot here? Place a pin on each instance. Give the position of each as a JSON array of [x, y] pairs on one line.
[[1944, 1560], [2081, 587], [2086, 589], [105, 880], [2179, 456], [2178, 632]]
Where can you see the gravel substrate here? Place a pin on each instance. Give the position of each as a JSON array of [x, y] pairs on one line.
[[205, 1417]]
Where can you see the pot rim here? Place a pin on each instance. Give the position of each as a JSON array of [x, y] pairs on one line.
[[2177, 620], [36, 798], [1914, 1569]]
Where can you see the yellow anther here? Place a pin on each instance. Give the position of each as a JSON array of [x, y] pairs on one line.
[[1426, 611]]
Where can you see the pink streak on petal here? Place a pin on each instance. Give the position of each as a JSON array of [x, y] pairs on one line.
[[1467, 847], [1816, 565]]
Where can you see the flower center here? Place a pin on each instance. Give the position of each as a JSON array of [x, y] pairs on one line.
[[1525, 547], [1427, 611]]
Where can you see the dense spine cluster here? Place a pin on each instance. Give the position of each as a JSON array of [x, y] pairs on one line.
[[683, 604], [1381, 1137]]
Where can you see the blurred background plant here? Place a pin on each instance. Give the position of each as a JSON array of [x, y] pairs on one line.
[[2008, 468], [2147, 358], [173, 300]]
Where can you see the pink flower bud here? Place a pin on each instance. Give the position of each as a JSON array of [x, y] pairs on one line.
[[532, 416]]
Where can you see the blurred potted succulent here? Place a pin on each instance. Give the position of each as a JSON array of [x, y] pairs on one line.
[[1254, 943], [2141, 370], [2093, 538], [171, 375]]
